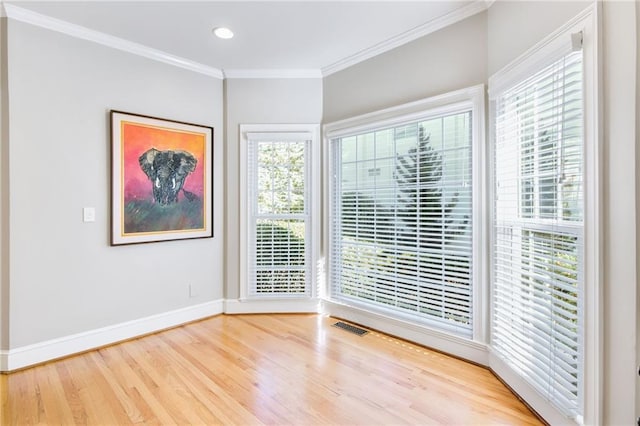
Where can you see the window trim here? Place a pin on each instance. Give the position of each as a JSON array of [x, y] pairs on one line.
[[261, 131], [528, 63], [472, 98]]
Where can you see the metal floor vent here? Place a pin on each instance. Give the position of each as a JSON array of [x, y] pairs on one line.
[[351, 328]]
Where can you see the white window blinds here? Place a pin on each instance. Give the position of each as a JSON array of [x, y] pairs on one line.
[[401, 238], [279, 234], [538, 230]]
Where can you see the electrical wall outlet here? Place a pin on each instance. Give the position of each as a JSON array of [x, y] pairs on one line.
[[192, 290]]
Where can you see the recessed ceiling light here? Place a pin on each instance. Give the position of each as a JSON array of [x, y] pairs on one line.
[[223, 32]]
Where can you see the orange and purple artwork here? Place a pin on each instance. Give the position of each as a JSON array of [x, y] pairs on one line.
[[138, 139], [164, 176]]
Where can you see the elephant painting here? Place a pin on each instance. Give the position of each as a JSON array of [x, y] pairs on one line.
[[167, 171]]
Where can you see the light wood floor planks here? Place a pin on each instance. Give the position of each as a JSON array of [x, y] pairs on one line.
[[260, 369]]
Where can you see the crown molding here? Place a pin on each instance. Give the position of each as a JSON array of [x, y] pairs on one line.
[[78, 31], [408, 36], [24, 15], [273, 73]]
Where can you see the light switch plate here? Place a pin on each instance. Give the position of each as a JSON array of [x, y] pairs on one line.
[[89, 214]]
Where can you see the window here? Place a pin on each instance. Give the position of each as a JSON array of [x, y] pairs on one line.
[[538, 229], [402, 217], [279, 248]]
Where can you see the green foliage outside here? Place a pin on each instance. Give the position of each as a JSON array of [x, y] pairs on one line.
[[400, 244], [281, 178], [280, 257], [419, 178]]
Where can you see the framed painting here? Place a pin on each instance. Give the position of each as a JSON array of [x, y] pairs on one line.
[[161, 179]]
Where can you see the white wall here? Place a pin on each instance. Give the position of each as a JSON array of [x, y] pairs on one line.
[[63, 276], [449, 59], [515, 26], [258, 101], [4, 190], [620, 274]]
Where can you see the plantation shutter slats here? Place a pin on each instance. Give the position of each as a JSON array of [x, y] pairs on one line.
[[538, 231], [401, 220], [279, 215]]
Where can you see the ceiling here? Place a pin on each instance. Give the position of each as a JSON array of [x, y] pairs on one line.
[[269, 35]]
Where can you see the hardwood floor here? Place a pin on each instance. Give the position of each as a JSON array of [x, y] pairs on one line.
[[260, 369]]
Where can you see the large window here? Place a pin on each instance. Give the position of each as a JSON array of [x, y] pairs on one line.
[[402, 218], [538, 268], [278, 214]]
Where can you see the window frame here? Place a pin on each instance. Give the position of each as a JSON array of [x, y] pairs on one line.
[[471, 98], [550, 48], [312, 172]]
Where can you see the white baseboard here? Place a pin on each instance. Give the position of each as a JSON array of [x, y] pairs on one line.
[[276, 306], [26, 356], [447, 343]]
